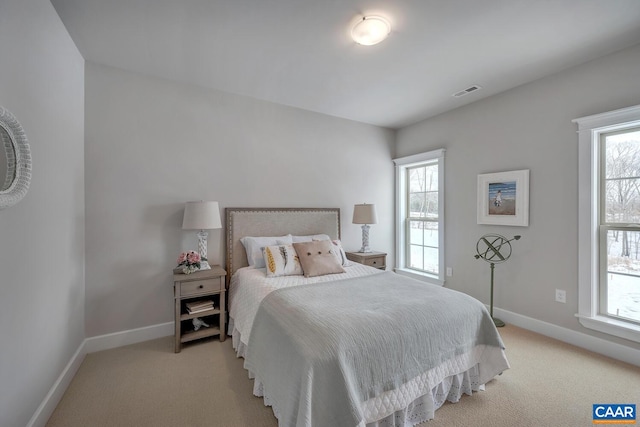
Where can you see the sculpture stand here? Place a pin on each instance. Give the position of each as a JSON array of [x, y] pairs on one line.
[[494, 248], [499, 323]]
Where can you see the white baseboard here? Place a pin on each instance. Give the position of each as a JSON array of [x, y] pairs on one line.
[[91, 345], [132, 336], [48, 405], [588, 342]]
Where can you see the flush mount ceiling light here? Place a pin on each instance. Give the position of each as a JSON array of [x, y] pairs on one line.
[[371, 30]]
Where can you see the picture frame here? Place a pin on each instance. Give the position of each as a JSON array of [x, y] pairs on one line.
[[503, 198]]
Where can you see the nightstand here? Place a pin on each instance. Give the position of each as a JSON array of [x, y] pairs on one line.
[[199, 288], [372, 259]]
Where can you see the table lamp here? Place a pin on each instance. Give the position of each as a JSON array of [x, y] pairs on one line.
[[201, 216], [365, 214]]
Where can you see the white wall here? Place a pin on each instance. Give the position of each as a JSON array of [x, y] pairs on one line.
[[42, 237], [528, 127], [153, 144]]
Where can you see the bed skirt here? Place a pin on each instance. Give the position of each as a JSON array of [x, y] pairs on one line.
[[415, 401]]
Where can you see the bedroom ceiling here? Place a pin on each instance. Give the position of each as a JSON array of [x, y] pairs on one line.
[[300, 53]]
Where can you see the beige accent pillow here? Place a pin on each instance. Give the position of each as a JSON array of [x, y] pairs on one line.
[[317, 258]]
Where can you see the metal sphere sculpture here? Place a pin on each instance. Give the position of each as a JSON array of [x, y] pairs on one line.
[[494, 249]]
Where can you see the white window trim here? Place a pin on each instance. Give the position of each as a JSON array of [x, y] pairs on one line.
[[589, 130], [401, 166]]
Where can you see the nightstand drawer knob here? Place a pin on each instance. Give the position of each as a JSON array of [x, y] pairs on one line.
[[374, 262], [201, 286]]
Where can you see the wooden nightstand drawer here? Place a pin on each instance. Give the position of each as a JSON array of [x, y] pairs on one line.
[[377, 262], [198, 287], [372, 259]]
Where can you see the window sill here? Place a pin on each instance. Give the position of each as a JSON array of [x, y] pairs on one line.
[[424, 277], [610, 326]]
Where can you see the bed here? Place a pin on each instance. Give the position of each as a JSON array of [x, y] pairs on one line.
[[362, 347]]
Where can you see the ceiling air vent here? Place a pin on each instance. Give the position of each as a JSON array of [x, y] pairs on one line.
[[467, 90]]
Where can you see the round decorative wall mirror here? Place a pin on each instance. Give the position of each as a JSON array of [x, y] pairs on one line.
[[15, 160]]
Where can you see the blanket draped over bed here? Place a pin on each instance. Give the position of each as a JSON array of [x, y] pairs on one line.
[[322, 350]]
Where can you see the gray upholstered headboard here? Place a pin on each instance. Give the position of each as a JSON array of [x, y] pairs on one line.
[[241, 222]]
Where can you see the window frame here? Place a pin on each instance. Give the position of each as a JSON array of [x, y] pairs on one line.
[[402, 198], [590, 130]]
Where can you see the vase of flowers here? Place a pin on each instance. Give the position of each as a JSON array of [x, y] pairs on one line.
[[189, 262]]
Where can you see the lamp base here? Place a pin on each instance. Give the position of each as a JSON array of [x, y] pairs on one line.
[[499, 323], [365, 239], [202, 249]]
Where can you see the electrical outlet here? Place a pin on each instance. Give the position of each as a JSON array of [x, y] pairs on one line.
[[561, 296], [449, 271]]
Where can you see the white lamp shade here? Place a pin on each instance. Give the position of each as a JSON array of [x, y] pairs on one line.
[[201, 216], [371, 30], [365, 214]]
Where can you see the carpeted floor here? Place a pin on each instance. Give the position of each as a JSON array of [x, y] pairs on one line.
[[549, 384]]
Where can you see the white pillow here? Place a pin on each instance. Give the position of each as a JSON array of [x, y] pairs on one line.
[[282, 260], [340, 254], [253, 246], [299, 239]]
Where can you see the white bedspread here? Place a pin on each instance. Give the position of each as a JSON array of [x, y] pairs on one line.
[[250, 285], [409, 403]]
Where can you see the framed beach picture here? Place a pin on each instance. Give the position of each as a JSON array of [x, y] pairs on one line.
[[503, 198]]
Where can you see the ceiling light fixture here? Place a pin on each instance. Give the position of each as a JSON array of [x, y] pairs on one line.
[[371, 30]]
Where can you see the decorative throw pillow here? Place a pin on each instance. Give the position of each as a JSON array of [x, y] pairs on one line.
[[340, 254], [282, 260], [339, 251], [253, 246], [317, 258]]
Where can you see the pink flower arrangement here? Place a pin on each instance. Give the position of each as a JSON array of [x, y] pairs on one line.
[[189, 261]]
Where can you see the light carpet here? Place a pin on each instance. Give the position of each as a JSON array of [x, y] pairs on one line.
[[550, 383]]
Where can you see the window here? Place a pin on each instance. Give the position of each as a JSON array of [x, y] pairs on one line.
[[420, 216], [609, 222], [620, 224]]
